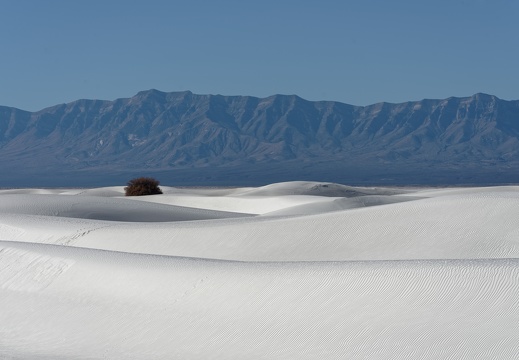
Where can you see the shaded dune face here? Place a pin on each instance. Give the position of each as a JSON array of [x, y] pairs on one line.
[[101, 208], [298, 270]]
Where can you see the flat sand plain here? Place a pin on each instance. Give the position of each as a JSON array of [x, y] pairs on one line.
[[298, 270]]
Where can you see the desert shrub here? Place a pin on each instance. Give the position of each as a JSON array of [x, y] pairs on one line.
[[142, 186]]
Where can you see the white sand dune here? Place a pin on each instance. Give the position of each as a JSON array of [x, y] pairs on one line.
[[288, 271]]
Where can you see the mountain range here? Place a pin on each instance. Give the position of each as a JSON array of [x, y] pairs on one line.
[[188, 139]]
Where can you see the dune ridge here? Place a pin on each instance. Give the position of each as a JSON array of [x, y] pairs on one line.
[[296, 270]]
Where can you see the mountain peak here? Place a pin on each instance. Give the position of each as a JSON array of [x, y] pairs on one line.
[[484, 97], [157, 94], [150, 92]]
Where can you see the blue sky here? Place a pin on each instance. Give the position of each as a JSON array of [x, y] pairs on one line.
[[358, 52]]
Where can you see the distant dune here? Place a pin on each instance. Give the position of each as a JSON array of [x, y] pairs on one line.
[[295, 270]]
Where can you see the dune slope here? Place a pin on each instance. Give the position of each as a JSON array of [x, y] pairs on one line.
[[116, 305]]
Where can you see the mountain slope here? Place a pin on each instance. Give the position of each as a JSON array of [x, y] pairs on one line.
[[214, 138]]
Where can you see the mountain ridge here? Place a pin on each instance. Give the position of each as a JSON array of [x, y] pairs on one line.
[[189, 136]]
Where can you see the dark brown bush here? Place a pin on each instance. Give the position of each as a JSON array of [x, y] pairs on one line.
[[142, 186]]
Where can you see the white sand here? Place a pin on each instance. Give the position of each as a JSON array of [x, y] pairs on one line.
[[288, 271]]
